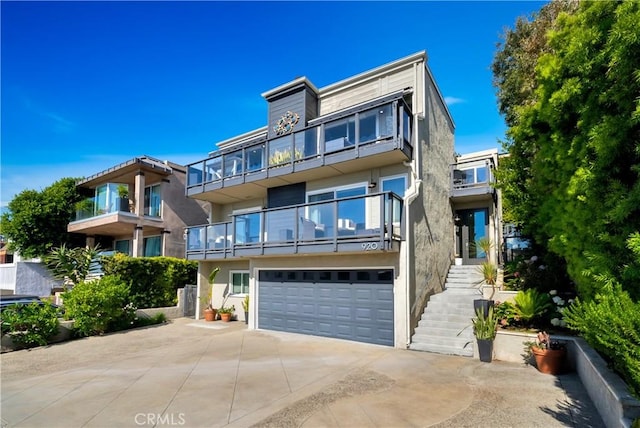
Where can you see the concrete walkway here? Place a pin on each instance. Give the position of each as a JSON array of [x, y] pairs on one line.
[[195, 374]]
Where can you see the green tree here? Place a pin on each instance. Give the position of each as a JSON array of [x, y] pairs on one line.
[[37, 220], [574, 139]]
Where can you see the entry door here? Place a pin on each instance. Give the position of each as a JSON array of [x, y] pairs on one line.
[[471, 225]]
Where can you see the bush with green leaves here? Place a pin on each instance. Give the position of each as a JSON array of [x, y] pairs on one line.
[[100, 306], [611, 325], [153, 281], [30, 325], [530, 306]]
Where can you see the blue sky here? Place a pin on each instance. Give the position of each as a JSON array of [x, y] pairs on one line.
[[87, 85]]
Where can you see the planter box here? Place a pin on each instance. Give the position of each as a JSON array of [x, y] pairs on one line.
[[609, 393]]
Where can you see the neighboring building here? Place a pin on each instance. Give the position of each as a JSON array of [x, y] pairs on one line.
[[138, 208], [337, 218], [477, 206]]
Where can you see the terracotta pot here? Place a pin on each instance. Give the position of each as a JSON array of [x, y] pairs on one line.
[[225, 317], [549, 361], [209, 314]]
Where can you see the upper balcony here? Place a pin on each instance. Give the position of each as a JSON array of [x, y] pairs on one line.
[[363, 137], [370, 223], [472, 180], [110, 212]]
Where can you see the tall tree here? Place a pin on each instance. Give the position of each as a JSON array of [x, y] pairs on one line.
[[37, 221], [575, 141]]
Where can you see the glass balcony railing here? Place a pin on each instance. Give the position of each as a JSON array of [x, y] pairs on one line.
[[371, 218], [106, 200], [379, 123], [467, 175]]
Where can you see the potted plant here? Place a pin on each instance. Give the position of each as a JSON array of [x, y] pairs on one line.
[[209, 311], [489, 272], [245, 307], [549, 354], [123, 193], [485, 328], [226, 312]]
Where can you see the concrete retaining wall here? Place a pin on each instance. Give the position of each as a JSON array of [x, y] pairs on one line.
[[609, 393]]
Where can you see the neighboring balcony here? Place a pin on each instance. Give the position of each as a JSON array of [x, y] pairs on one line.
[[107, 213], [371, 223], [472, 181], [374, 135]]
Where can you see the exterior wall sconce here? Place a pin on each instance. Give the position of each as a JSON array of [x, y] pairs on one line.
[[372, 184]]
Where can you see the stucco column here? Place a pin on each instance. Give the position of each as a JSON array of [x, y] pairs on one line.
[[138, 242], [138, 234], [139, 193]]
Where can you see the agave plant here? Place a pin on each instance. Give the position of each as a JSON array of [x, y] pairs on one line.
[[531, 304]]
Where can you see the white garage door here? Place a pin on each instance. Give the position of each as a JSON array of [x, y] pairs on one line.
[[345, 304]]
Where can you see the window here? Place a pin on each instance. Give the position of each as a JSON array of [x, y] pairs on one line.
[[240, 282], [398, 185], [123, 246], [152, 201], [352, 212], [153, 246]]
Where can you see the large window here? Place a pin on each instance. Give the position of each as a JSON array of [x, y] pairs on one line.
[[153, 246], [239, 282], [346, 215], [152, 201], [123, 246]]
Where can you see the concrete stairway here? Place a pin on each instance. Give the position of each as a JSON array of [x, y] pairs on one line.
[[445, 326]]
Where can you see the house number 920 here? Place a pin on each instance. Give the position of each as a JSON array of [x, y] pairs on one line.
[[368, 246]]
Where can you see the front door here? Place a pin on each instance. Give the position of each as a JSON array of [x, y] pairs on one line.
[[471, 225]]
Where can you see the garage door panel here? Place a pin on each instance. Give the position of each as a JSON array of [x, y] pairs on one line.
[[358, 311], [385, 314], [364, 314], [325, 310]]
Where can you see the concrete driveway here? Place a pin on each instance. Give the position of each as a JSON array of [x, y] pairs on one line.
[[195, 374]]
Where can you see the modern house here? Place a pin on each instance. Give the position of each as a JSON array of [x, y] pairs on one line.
[[477, 205], [138, 208], [339, 217]]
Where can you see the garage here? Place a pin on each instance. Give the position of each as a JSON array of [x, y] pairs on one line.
[[345, 304]]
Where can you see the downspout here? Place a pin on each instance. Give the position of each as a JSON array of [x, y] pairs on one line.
[[410, 195]]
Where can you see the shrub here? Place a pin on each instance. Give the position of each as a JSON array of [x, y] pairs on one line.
[[505, 313], [99, 306], [530, 305], [143, 321], [30, 325], [611, 325], [153, 281]]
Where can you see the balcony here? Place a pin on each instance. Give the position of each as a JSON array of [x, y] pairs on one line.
[[360, 138], [371, 223], [472, 180], [107, 213]]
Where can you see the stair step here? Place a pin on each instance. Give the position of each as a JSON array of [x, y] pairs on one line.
[[454, 325], [447, 350], [445, 330], [457, 342], [455, 318]]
